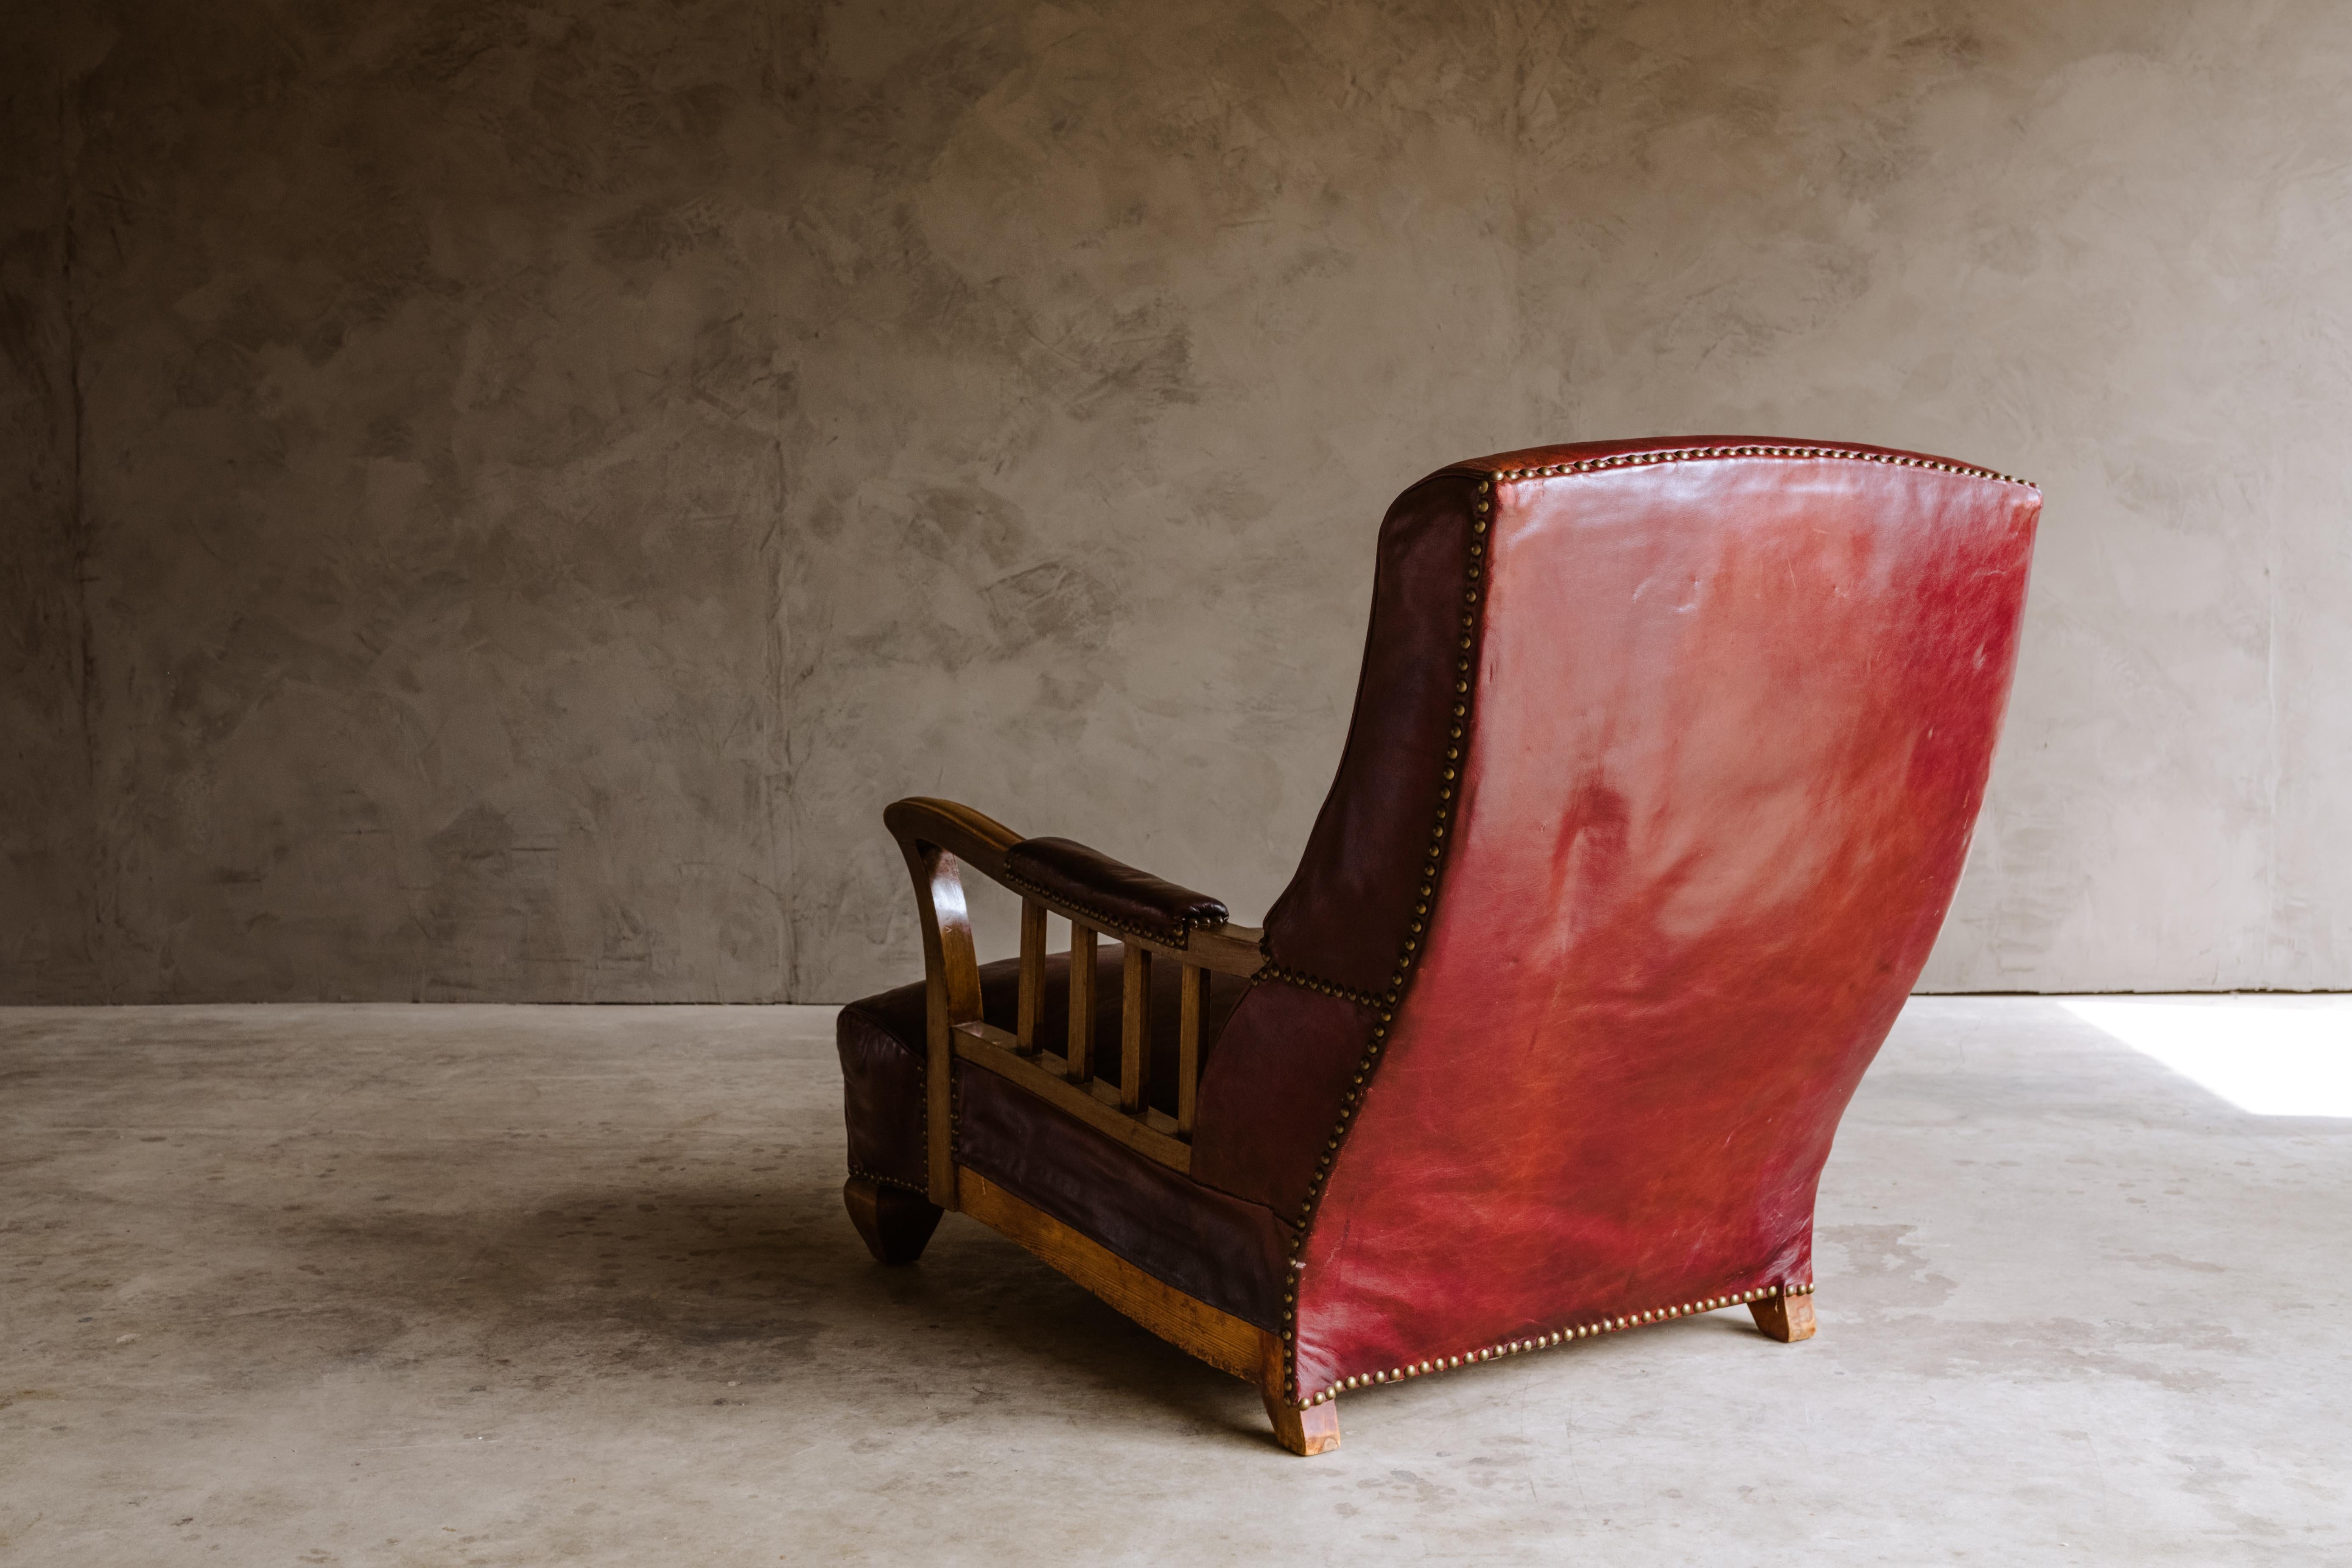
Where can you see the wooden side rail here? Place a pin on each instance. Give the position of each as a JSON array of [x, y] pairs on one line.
[[938, 838]]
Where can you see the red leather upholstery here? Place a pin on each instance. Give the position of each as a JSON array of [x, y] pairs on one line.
[[1729, 725], [1663, 767]]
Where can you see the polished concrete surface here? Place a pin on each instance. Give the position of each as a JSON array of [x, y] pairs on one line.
[[523, 1284]]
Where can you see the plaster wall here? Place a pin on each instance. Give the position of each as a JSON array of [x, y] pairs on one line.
[[498, 497]]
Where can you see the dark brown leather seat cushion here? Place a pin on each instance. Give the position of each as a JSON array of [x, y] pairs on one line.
[[1221, 1249]]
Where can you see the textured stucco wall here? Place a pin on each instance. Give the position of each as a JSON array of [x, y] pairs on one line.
[[498, 497], [47, 886]]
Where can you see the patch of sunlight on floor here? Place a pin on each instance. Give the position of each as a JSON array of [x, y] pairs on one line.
[[2269, 1056]]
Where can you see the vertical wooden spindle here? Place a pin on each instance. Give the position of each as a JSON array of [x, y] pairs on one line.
[[1033, 974], [1135, 1027], [1082, 1002], [1192, 1001]]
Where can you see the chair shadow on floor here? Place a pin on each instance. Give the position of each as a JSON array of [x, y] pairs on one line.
[[753, 1291], [765, 1289]]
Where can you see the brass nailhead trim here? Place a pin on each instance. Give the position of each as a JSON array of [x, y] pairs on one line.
[[1693, 454], [1304, 981], [1548, 1340], [920, 1189]]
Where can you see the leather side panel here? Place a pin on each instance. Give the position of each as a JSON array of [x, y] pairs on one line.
[[1216, 1248], [1271, 1096], [1732, 723]]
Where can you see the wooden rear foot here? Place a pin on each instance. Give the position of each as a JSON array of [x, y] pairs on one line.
[[1787, 1318], [897, 1223], [1305, 1433]]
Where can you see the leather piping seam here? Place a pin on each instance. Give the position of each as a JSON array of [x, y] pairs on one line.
[[1466, 667], [863, 1174], [1316, 982], [1183, 928], [1693, 454], [1557, 1337]]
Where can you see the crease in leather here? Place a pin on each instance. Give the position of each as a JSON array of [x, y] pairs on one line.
[[1731, 729], [1087, 878]]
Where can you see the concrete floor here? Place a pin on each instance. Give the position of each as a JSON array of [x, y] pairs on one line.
[[516, 1285]]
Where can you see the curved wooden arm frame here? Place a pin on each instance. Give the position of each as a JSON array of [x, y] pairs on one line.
[[939, 838]]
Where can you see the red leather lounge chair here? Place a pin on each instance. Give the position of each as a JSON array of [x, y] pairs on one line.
[[1664, 763]]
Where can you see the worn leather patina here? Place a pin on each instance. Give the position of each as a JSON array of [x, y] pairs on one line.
[[1564, 1007], [1123, 897]]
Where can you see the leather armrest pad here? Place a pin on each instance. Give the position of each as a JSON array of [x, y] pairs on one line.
[[1122, 897]]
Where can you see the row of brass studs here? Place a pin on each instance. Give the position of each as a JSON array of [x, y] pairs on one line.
[[1559, 1337], [1686, 454], [1321, 986], [1104, 923], [861, 1171], [1475, 585]]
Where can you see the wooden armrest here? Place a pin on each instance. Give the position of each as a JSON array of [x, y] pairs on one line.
[[1092, 892]]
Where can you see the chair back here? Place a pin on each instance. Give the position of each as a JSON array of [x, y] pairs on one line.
[[1662, 769]]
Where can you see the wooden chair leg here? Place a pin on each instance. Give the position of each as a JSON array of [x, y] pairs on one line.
[[1787, 1318], [897, 1223], [1305, 1433]]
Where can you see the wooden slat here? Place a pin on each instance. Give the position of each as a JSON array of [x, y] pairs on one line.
[[1033, 973], [1134, 1026], [1082, 1002], [938, 1124], [1152, 1134], [1221, 1339], [1192, 1001]]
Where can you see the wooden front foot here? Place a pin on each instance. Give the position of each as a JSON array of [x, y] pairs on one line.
[[1305, 1433], [1787, 1318], [897, 1223]]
